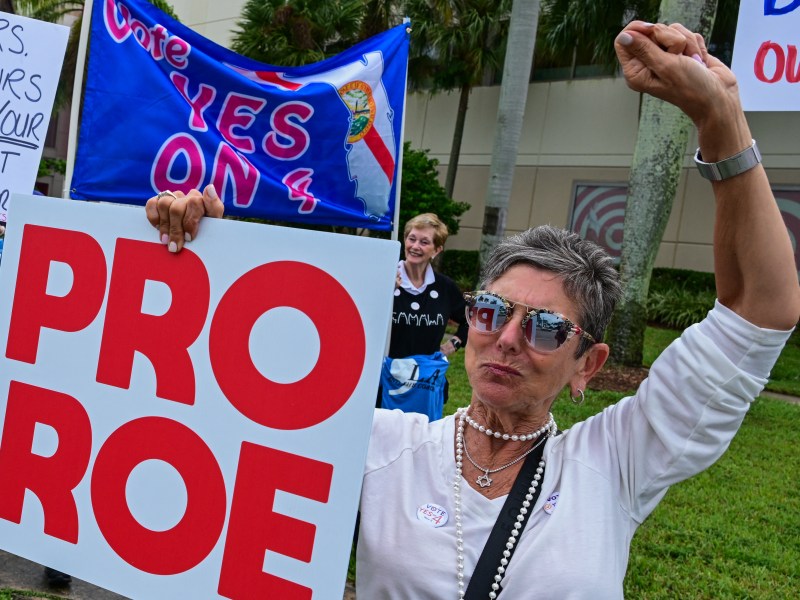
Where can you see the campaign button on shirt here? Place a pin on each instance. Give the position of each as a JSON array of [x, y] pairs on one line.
[[550, 504], [432, 514]]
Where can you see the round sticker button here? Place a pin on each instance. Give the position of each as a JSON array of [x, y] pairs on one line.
[[550, 504], [432, 514]]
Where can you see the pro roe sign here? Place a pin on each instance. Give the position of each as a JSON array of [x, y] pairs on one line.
[[190, 425], [765, 56]]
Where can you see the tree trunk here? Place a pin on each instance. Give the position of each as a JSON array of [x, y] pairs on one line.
[[458, 135], [655, 173], [7, 6], [510, 112]]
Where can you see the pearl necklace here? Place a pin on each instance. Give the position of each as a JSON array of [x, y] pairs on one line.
[[512, 540], [486, 481], [549, 427]]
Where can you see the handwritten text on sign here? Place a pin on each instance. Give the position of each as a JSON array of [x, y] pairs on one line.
[[31, 53], [765, 55], [244, 368]]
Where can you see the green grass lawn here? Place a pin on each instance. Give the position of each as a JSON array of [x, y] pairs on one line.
[[734, 530], [785, 377]]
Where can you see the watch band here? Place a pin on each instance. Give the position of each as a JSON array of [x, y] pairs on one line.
[[728, 167], [456, 342]]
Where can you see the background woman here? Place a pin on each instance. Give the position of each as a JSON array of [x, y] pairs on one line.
[[424, 300]]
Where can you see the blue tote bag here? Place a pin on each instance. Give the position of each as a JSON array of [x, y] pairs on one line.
[[415, 384]]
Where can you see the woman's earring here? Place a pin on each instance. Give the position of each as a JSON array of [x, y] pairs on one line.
[[578, 400]]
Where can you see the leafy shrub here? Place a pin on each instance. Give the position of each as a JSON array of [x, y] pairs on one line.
[[51, 166], [679, 297], [679, 307], [421, 192], [664, 279], [461, 266]]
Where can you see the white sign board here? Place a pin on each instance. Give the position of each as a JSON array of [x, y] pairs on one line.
[[190, 425], [765, 56], [31, 53]]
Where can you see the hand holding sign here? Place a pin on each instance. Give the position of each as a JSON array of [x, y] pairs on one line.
[[177, 216]]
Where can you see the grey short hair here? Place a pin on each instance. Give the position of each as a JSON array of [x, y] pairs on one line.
[[587, 271]]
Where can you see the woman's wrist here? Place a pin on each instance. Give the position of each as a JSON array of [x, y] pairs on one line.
[[723, 133]]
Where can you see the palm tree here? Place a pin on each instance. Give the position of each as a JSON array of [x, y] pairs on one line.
[[455, 44], [513, 96], [379, 15], [570, 25], [297, 32]]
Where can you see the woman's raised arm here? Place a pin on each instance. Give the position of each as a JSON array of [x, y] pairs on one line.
[[753, 257]]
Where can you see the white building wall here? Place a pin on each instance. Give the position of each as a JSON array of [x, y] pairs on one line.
[[214, 20]]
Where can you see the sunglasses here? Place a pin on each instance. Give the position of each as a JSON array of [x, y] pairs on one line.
[[544, 330]]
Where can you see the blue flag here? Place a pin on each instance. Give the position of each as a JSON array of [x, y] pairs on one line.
[[167, 109]]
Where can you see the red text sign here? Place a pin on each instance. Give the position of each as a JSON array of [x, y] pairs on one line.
[[246, 376]]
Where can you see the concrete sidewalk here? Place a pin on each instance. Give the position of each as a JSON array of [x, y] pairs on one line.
[[784, 397], [20, 574]]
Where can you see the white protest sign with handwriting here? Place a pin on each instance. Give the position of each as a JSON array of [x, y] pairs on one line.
[[31, 53], [190, 425], [765, 57]]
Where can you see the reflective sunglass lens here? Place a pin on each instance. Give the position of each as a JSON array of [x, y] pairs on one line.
[[546, 332], [487, 313]]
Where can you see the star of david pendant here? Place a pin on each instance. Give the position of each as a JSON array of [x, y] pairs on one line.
[[484, 480]]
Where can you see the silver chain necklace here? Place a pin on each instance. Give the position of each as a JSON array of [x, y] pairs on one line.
[[486, 481], [512, 539]]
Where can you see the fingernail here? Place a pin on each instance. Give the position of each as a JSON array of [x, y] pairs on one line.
[[699, 59], [164, 239], [187, 236], [212, 191], [624, 39], [646, 24], [173, 247]]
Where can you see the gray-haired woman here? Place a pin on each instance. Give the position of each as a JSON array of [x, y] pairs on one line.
[[433, 492]]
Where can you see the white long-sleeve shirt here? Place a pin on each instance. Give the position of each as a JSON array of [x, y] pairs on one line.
[[603, 477]]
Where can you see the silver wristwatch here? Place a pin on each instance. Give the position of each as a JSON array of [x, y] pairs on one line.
[[728, 167]]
